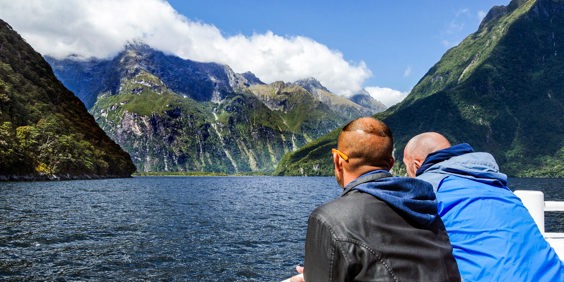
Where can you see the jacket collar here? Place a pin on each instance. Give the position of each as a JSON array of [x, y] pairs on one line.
[[413, 198], [443, 155], [367, 177]]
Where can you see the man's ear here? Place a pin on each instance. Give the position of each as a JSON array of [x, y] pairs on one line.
[[337, 161], [417, 163], [392, 161]]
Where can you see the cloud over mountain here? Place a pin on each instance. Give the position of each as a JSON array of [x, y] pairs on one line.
[[101, 28], [387, 96]]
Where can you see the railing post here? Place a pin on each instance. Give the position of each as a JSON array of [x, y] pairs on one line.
[[534, 202]]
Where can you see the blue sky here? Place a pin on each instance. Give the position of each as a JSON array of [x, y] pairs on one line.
[[384, 47]]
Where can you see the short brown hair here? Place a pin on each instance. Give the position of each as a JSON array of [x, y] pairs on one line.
[[368, 141]]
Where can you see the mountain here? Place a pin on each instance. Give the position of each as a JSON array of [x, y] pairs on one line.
[[363, 98], [501, 90], [177, 115], [199, 81], [45, 131], [360, 104]]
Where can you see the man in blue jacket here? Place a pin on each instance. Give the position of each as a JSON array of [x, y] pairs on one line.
[[494, 238], [382, 228]]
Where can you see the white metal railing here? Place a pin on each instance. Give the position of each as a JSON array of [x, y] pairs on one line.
[[553, 206], [537, 206]]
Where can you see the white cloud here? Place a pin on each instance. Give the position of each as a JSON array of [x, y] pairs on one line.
[[457, 24], [449, 44], [387, 96], [101, 28], [481, 15], [407, 71], [455, 29]]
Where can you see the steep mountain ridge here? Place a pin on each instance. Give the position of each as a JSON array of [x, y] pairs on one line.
[[360, 104], [199, 81], [45, 131], [174, 115], [363, 98], [500, 89]]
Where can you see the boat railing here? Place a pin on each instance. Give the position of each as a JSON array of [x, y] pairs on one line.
[[537, 206], [553, 206]]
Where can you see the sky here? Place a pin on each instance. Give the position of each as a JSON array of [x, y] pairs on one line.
[[382, 46]]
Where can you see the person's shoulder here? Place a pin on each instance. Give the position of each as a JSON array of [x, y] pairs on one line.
[[347, 206], [333, 205], [407, 182]]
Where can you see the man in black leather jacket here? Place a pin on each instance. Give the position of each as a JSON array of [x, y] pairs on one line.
[[382, 228]]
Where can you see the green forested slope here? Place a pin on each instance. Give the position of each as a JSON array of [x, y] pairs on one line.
[[45, 131], [501, 90]]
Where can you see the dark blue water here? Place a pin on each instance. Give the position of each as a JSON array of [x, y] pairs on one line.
[[168, 228], [157, 228]]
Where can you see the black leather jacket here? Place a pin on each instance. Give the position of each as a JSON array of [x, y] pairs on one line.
[[344, 244]]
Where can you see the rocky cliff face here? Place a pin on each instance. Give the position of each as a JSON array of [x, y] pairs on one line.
[[199, 81], [174, 115], [181, 134]]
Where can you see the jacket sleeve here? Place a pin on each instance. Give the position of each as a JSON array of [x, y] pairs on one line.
[[323, 259]]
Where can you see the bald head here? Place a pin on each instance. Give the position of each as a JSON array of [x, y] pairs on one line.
[[368, 143], [419, 147]]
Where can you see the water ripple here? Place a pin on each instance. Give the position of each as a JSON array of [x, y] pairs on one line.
[[166, 228], [157, 228]]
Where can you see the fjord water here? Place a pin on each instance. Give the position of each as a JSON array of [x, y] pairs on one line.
[[169, 228]]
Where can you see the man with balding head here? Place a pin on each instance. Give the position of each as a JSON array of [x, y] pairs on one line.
[[382, 228], [493, 236]]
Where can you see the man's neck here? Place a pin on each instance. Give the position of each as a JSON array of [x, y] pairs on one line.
[[350, 176]]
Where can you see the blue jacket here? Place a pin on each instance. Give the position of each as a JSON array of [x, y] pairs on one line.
[[493, 236]]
